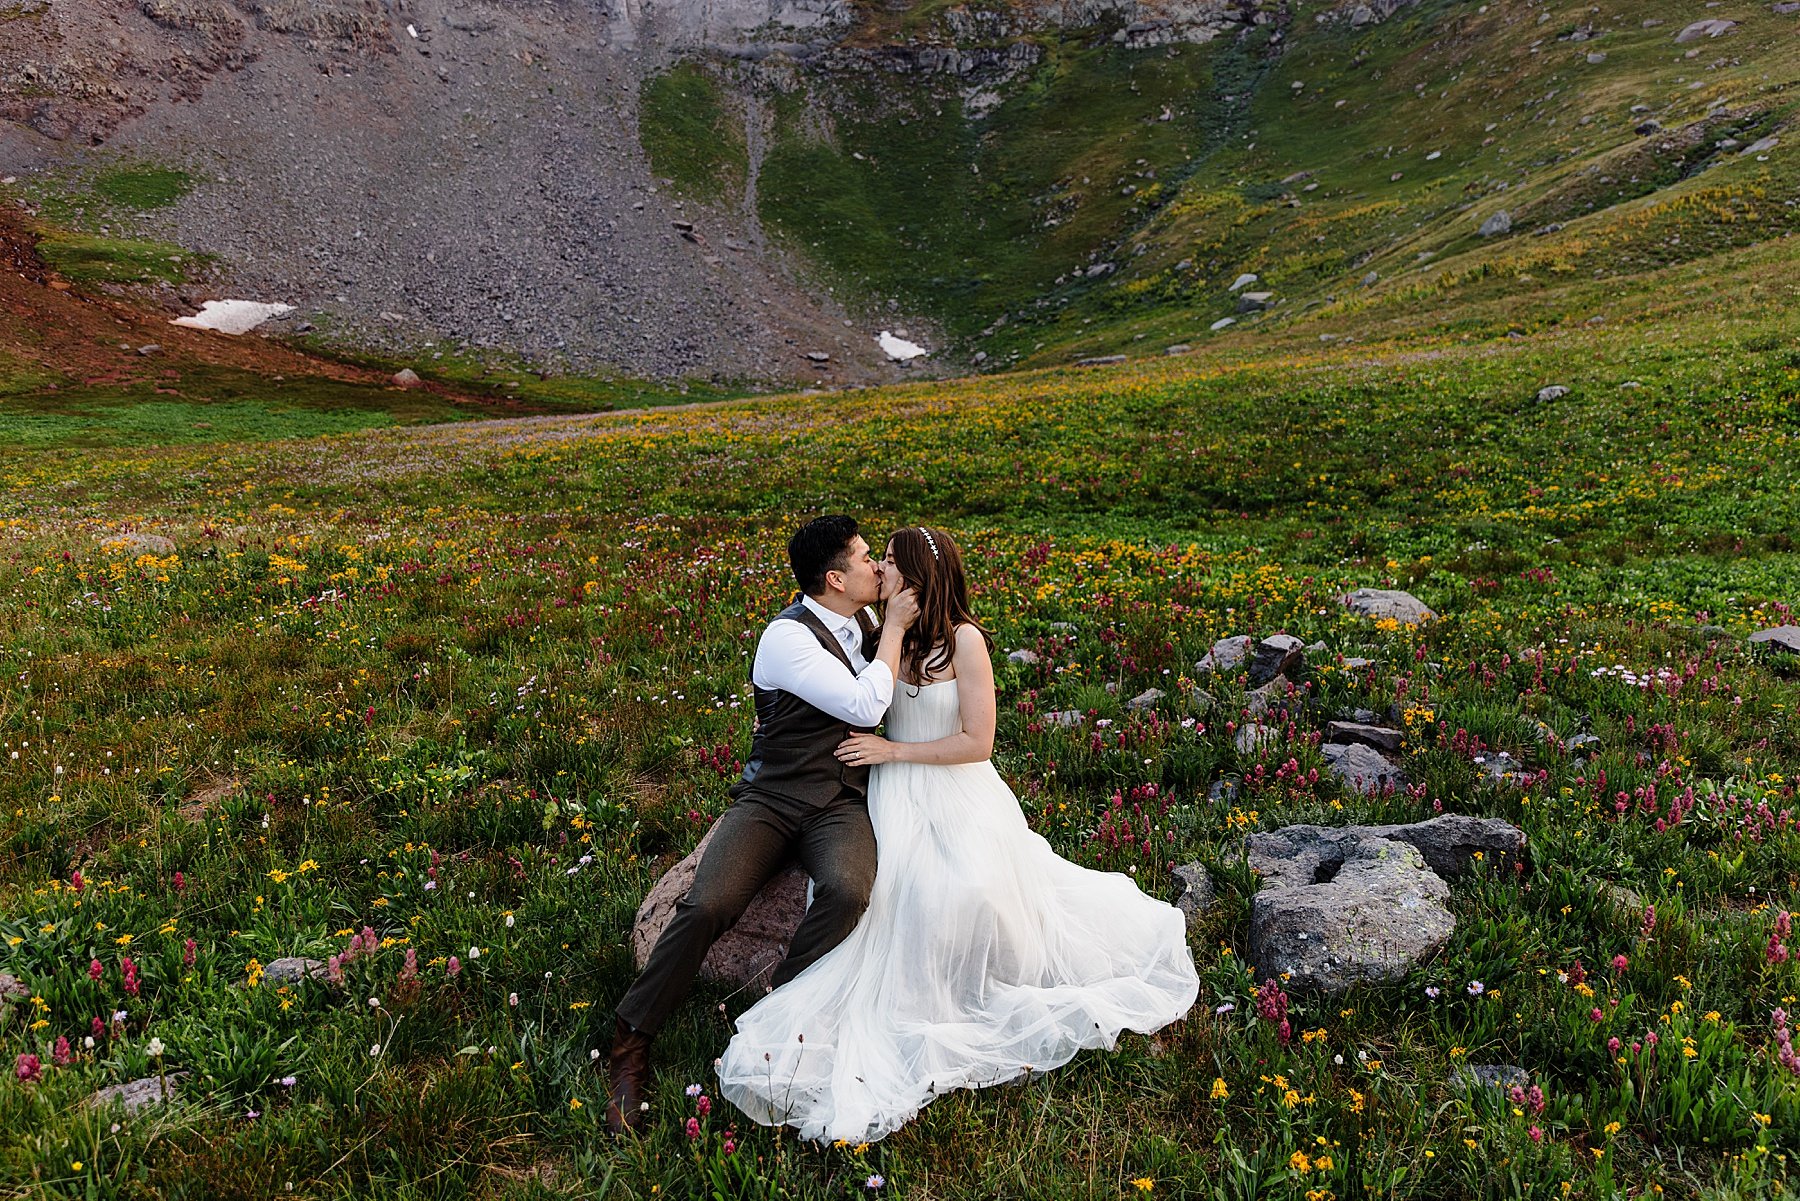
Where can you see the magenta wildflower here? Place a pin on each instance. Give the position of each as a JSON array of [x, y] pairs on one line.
[[28, 1068], [454, 967], [1620, 963], [63, 1054], [693, 1129], [188, 951], [95, 971], [1536, 1133]]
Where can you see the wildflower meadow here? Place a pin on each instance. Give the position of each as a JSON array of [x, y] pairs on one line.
[[432, 708]]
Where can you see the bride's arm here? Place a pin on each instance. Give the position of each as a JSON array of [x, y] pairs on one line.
[[975, 697]]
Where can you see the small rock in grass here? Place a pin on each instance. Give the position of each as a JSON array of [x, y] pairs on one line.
[[1193, 891], [1146, 699], [406, 377], [1254, 736], [1024, 658], [1499, 223], [1066, 717], [12, 988], [1380, 737], [1361, 767], [1276, 655], [1553, 392], [1780, 638], [291, 970], [137, 1094], [1403, 607]]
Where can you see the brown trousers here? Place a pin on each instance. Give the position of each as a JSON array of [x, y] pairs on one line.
[[758, 836]]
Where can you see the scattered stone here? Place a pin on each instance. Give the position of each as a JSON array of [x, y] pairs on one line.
[[1553, 392], [1146, 699], [1466, 1077], [1581, 740], [1502, 768], [1645, 128], [1223, 792], [292, 970], [406, 377], [1276, 655], [1202, 701], [1221, 323], [1781, 638], [1066, 717], [1357, 663], [1062, 627], [1761, 146], [1403, 607], [746, 955], [1499, 223], [1448, 843], [1624, 900], [1242, 281], [137, 1094], [12, 988], [1024, 658], [1100, 360], [818, 356], [1351, 909], [1596, 57], [1178, 348], [1380, 737], [1254, 737], [1255, 302], [1225, 654], [148, 349], [1704, 29], [1361, 767], [1193, 891]]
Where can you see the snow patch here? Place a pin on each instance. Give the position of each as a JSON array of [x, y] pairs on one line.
[[233, 316], [899, 349]]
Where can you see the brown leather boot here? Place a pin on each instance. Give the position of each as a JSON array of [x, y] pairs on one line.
[[629, 1067]]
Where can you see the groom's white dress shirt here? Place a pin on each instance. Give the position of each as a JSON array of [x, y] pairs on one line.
[[789, 658]]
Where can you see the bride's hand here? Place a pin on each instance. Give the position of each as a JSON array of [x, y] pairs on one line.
[[866, 750]]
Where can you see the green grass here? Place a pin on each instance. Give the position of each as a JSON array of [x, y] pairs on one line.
[[94, 259], [143, 188], [693, 134], [472, 655]]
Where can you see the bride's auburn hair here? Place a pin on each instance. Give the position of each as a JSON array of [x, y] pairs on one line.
[[932, 565]]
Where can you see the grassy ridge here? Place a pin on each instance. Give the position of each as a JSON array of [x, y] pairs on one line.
[[473, 686]]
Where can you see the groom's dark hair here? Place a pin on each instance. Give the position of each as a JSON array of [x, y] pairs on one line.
[[819, 546]]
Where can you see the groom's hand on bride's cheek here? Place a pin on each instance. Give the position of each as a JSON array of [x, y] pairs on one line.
[[903, 610]]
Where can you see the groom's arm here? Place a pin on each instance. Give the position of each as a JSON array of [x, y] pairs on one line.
[[789, 658]]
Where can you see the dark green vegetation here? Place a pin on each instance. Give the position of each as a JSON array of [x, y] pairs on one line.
[[93, 259], [1401, 140], [143, 187], [693, 134]]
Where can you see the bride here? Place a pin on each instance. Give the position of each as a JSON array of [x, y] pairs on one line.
[[983, 955]]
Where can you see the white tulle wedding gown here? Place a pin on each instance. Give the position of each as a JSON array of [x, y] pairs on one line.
[[983, 956]]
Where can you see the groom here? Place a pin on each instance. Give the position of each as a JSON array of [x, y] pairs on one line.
[[821, 672]]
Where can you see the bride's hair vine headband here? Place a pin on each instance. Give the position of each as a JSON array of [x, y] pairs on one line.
[[929, 541]]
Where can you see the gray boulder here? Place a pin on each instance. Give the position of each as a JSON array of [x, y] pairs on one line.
[[1447, 843], [1778, 638], [1361, 767], [1761, 145], [12, 988], [1146, 699], [141, 544], [1024, 658], [745, 955], [1382, 738], [1242, 281], [1276, 655], [1403, 607], [1225, 654], [1193, 891], [1066, 717], [1499, 223], [1255, 302], [1553, 392], [406, 377], [1371, 913]]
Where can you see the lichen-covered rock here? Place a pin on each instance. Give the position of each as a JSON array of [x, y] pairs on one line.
[[1371, 914], [1193, 891], [1403, 607]]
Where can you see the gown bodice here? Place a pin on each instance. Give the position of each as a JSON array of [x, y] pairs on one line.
[[924, 712]]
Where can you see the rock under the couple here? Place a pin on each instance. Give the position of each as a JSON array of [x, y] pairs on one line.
[[1360, 904], [745, 957]]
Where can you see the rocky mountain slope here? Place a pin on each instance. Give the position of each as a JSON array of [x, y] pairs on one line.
[[751, 189]]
